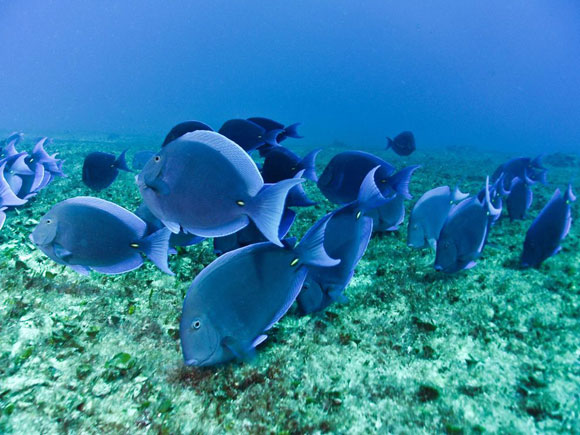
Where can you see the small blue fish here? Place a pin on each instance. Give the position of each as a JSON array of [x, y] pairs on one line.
[[548, 229], [403, 144], [464, 234], [281, 163], [207, 185], [347, 234], [341, 179], [101, 169], [87, 233], [233, 302], [274, 128], [141, 158], [429, 215], [519, 199], [247, 134], [184, 127]]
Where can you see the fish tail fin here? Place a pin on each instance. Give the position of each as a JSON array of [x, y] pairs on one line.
[[369, 195], [389, 143], [121, 163], [292, 131], [286, 222], [7, 197], [458, 195], [271, 137], [297, 196], [490, 208], [542, 177], [308, 163], [266, 208], [400, 181], [537, 162], [569, 195], [156, 248], [310, 250], [41, 155], [20, 167]]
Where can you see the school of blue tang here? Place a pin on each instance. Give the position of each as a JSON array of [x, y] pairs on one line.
[[203, 183]]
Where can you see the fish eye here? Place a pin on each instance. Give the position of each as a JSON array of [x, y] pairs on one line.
[[157, 159], [383, 180], [48, 221], [293, 168], [358, 214], [196, 324]]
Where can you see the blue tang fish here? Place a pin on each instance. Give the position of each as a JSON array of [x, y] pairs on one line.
[[87, 234], [184, 127], [233, 302], [141, 158], [429, 215], [247, 134], [548, 229], [271, 125], [7, 197], [519, 199], [347, 234], [280, 164], [154, 225], [341, 179], [464, 234], [403, 144], [101, 169], [207, 185]]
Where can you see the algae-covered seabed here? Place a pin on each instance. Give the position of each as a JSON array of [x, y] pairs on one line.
[[492, 349]]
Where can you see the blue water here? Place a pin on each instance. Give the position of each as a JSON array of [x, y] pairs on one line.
[[491, 74]]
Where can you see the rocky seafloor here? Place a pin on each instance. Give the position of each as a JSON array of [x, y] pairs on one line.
[[492, 349]]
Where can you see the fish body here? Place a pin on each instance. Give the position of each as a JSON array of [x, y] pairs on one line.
[[87, 233], [403, 144], [247, 134], [281, 164], [390, 216], [547, 231], [519, 199], [525, 168], [205, 184], [233, 302], [100, 170]]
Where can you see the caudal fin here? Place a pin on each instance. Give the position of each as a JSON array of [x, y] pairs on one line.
[[121, 163], [156, 248], [271, 137], [458, 195], [266, 208], [310, 250], [7, 197], [40, 154], [400, 181], [369, 195], [569, 195], [292, 131], [308, 163]]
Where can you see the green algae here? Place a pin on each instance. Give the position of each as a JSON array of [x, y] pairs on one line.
[[493, 349]]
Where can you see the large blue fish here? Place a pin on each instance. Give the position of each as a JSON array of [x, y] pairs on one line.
[[87, 234], [464, 234], [7, 197], [233, 302], [184, 127], [429, 215], [519, 199], [207, 185], [341, 179], [346, 238], [247, 134], [548, 229], [101, 169]]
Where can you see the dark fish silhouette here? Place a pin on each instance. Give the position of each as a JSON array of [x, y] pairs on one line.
[[403, 144], [529, 170], [184, 127], [519, 199], [248, 134], [101, 169], [548, 229]]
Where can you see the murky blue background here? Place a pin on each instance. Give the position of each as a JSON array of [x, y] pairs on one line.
[[496, 74]]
